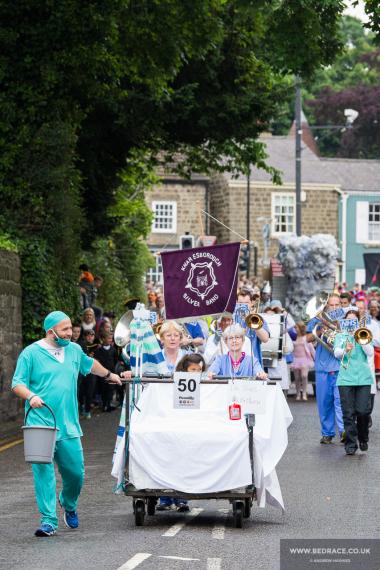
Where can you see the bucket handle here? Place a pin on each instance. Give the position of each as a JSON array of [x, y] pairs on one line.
[[50, 410]]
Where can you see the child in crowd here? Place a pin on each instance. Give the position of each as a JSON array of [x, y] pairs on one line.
[[87, 384], [76, 332], [189, 363], [107, 355], [303, 361]]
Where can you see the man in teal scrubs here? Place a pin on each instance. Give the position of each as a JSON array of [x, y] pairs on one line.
[[354, 383], [47, 372]]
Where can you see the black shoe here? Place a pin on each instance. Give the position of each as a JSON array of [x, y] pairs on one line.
[[363, 445], [369, 422], [326, 439], [350, 451]]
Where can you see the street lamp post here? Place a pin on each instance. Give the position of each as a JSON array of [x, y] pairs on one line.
[[298, 107], [248, 219]]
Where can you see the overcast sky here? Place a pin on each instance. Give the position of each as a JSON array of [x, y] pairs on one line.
[[358, 12]]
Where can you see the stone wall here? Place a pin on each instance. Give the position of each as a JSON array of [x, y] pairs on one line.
[[220, 208], [187, 196], [229, 204], [10, 331]]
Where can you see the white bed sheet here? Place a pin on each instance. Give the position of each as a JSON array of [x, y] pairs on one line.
[[203, 451]]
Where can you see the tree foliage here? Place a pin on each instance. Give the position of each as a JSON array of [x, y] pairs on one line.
[[352, 82], [89, 86]]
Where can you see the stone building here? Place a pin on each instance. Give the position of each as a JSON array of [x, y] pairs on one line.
[[176, 204], [339, 197], [272, 207], [10, 331]]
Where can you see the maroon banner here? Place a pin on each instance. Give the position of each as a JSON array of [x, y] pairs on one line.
[[200, 281]]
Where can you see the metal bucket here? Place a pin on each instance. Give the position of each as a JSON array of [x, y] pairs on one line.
[[39, 441]]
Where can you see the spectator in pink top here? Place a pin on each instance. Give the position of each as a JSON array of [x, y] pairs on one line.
[[303, 360]]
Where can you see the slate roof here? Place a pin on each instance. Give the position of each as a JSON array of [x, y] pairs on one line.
[[350, 174]]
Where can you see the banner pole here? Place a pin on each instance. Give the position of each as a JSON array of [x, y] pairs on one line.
[[200, 218]]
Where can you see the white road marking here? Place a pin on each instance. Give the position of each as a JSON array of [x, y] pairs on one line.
[[219, 529], [218, 532], [177, 558], [214, 564], [135, 561], [173, 530]]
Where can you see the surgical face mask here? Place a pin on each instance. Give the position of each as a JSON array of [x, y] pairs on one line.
[[60, 341]]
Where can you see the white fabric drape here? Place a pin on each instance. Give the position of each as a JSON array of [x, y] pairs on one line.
[[203, 451]]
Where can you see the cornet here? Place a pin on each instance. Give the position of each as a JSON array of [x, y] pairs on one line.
[[253, 320], [362, 336]]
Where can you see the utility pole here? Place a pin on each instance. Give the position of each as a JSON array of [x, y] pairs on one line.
[[298, 107], [248, 218]]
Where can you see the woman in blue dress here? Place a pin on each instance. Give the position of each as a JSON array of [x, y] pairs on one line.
[[236, 363]]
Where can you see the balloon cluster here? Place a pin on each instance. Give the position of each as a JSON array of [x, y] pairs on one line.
[[310, 265]]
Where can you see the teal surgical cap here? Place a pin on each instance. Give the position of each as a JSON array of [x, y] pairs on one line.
[[52, 319]]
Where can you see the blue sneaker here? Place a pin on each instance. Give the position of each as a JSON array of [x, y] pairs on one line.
[[70, 519], [45, 530]]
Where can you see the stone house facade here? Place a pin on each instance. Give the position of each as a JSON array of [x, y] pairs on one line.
[[338, 195], [176, 204]]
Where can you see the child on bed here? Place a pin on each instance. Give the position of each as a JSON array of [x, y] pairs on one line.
[[192, 362]]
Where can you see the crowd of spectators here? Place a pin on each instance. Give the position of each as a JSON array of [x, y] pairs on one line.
[[94, 333]]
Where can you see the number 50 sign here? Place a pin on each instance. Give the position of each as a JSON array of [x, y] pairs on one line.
[[186, 390]]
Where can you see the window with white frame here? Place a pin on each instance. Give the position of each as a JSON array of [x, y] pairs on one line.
[[165, 217], [374, 222], [283, 213], [154, 274]]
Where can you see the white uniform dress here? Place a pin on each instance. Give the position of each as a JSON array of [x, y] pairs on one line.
[[282, 368]]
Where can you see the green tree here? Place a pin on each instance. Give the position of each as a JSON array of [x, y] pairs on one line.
[[88, 86]]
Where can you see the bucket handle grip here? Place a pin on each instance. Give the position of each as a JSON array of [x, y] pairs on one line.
[[50, 410]]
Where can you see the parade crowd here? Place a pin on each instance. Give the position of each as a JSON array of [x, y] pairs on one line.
[[339, 342]]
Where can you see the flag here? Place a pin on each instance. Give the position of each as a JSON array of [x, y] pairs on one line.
[[200, 281]]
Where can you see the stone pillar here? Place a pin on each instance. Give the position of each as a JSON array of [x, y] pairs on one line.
[[10, 331]]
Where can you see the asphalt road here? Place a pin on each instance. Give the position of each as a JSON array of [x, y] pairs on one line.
[[326, 493]]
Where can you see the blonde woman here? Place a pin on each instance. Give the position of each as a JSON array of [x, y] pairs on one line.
[[171, 335]]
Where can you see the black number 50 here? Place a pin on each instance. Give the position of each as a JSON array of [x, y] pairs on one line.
[[191, 385]]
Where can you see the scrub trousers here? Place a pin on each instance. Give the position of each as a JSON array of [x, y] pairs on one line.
[[68, 456], [328, 402], [356, 406]]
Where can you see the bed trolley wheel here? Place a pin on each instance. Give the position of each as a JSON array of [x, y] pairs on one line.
[[238, 512], [151, 506], [139, 512], [247, 508]]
